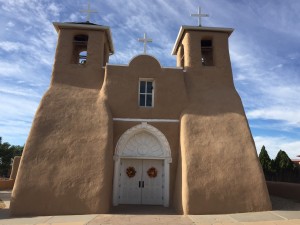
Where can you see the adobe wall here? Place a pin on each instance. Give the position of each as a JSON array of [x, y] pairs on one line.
[[88, 75], [284, 190], [73, 137], [67, 162], [121, 88], [220, 168], [15, 167]]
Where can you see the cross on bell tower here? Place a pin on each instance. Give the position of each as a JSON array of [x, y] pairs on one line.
[[145, 40], [88, 11], [199, 15]]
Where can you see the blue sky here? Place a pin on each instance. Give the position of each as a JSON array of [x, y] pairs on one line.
[[264, 50]]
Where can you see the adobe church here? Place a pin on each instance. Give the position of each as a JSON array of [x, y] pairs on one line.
[[106, 135]]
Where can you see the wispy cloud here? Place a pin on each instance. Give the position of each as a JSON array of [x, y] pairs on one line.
[[274, 144]]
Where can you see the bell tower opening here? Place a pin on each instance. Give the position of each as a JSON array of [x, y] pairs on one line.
[[80, 43], [207, 52]]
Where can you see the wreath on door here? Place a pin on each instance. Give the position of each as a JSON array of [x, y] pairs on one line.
[[152, 172], [130, 171]]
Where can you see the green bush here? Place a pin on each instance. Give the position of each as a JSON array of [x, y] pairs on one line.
[[281, 169], [7, 153]]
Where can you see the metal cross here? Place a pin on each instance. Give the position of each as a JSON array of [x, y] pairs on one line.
[[199, 15], [88, 11], [145, 40]]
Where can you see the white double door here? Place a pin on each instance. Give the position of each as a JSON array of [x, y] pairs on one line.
[[144, 187]]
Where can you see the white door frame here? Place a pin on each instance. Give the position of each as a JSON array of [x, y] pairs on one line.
[[126, 148]]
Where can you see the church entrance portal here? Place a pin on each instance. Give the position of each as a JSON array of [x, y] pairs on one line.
[[141, 182], [142, 163]]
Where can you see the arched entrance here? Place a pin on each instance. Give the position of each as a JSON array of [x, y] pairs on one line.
[[142, 162]]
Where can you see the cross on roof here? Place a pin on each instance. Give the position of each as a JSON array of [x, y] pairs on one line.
[[145, 40], [88, 11], [199, 15]]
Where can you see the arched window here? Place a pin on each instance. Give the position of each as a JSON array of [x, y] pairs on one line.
[[80, 49]]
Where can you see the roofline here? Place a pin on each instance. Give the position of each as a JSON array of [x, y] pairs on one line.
[[127, 65], [59, 26], [183, 28]]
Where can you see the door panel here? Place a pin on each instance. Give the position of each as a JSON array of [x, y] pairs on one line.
[[130, 192], [152, 192]]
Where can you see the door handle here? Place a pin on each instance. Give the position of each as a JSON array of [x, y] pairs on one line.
[[142, 184], [139, 184]]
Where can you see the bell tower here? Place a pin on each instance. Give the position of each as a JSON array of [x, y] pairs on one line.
[[217, 149], [71, 105], [202, 47], [83, 49]]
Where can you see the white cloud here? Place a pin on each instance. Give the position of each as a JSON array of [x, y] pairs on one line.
[[74, 17], [291, 116], [16, 116], [14, 46], [10, 24], [274, 144], [8, 69], [54, 9]]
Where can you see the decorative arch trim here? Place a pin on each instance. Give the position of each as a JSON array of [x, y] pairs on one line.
[[156, 141]]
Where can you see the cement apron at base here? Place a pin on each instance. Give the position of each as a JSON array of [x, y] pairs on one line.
[[267, 218]]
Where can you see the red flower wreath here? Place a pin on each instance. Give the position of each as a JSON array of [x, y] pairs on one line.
[[152, 172], [130, 171]]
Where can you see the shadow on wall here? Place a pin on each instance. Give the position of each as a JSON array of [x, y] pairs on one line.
[[284, 190]]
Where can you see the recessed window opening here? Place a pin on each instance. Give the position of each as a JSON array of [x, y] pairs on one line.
[[146, 92], [207, 53], [80, 49]]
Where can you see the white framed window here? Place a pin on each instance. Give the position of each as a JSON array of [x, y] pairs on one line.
[[146, 92]]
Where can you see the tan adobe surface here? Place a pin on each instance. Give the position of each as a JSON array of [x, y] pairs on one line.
[[67, 166]]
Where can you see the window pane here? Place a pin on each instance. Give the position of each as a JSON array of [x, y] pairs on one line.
[[142, 100], [149, 87], [149, 100], [142, 86]]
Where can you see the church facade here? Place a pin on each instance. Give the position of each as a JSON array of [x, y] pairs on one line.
[[106, 135]]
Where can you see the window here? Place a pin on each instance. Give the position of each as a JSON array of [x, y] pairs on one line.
[[80, 49], [207, 53], [146, 93]]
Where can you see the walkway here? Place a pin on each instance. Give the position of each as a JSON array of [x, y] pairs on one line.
[[285, 212]]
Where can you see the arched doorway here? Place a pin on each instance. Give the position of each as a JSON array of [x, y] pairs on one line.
[[142, 163]]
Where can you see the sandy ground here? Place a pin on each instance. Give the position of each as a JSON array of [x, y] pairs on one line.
[[277, 204], [285, 212]]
